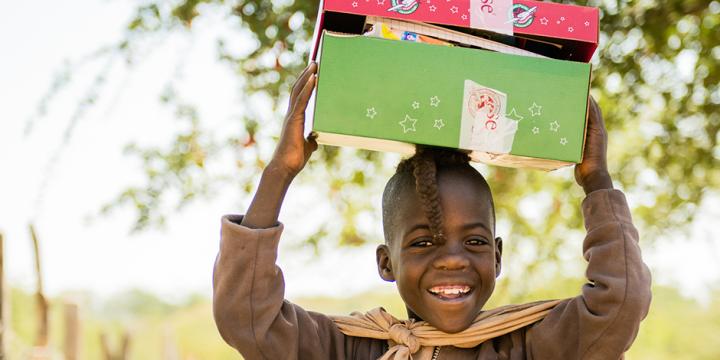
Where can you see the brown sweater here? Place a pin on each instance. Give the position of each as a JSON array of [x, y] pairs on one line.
[[601, 323]]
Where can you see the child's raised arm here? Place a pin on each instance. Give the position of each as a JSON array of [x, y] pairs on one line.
[[603, 321], [249, 304], [292, 153]]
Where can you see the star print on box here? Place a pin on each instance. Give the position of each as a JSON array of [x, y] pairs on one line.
[[563, 141], [554, 126], [439, 124], [355, 4], [415, 105], [513, 114], [535, 109], [544, 21], [371, 113], [454, 9], [433, 8], [408, 124], [571, 29], [434, 101], [536, 130]]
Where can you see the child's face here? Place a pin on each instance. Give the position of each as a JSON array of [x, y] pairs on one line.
[[444, 281]]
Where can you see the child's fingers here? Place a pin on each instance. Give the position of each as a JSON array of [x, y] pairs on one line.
[[302, 80], [304, 96], [595, 111], [298, 82], [313, 144]]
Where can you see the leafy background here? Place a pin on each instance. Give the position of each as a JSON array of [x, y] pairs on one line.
[[655, 77]]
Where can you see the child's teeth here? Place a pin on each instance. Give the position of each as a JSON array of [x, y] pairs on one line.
[[454, 290]]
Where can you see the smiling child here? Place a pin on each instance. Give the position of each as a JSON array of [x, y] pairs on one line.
[[442, 252], [445, 267]]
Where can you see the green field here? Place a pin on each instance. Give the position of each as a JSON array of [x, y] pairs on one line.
[[677, 327]]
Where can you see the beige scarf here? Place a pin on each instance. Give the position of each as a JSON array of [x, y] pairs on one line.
[[408, 337]]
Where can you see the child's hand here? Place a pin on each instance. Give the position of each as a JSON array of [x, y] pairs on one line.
[[592, 173], [293, 151]]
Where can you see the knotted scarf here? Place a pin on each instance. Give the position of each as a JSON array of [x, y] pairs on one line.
[[407, 337]]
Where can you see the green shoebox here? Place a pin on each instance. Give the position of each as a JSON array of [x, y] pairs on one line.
[[506, 110]]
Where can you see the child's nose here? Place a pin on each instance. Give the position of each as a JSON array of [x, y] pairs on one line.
[[451, 259]]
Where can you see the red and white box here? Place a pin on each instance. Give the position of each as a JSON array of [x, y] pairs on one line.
[[571, 29]]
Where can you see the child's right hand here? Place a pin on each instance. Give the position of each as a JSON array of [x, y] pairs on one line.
[[293, 150], [592, 173]]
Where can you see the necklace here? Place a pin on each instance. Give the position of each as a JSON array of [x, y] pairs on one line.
[[436, 353]]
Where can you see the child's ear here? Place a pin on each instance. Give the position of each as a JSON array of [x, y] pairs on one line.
[[498, 255], [384, 265]]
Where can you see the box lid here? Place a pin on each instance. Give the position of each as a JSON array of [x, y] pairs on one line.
[[537, 19]]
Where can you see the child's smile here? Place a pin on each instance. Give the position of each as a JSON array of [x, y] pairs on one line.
[[450, 292], [445, 280]]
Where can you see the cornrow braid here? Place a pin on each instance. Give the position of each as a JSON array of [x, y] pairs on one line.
[[425, 173], [424, 167]]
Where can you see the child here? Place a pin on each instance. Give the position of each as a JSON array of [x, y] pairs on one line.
[[441, 250]]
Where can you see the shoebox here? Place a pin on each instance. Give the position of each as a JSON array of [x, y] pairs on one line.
[[504, 109], [480, 91]]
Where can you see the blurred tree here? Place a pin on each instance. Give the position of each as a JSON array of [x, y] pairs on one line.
[[656, 78]]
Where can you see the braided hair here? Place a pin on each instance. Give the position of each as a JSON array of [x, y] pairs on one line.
[[421, 170]]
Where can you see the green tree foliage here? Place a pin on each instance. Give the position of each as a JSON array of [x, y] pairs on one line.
[[656, 78]]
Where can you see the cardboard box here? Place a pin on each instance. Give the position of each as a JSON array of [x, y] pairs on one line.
[[574, 29], [508, 110]]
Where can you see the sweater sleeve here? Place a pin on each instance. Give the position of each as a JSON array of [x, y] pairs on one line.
[[249, 306], [603, 321]]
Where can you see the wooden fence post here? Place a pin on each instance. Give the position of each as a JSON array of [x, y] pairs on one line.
[[72, 331], [170, 349], [121, 354], [41, 339], [4, 326]]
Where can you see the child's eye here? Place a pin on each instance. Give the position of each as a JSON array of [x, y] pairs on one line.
[[423, 242], [477, 241]]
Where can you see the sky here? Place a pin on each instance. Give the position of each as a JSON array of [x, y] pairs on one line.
[[84, 251]]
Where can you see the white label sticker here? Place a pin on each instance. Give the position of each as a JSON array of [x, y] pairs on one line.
[[492, 15], [484, 126]]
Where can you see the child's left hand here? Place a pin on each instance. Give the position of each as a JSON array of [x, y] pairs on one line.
[[592, 173], [293, 150]]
